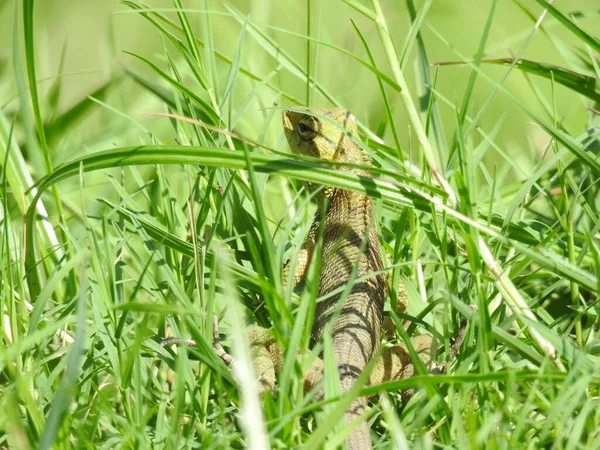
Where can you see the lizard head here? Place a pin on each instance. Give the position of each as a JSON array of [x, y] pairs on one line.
[[322, 133]]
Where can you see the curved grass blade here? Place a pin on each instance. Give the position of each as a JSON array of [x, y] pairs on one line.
[[154, 18], [582, 35], [563, 138], [19, 179], [30, 60], [206, 113], [68, 119], [68, 386], [181, 246], [584, 84], [401, 194]]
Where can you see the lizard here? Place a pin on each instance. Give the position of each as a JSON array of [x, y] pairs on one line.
[[350, 249]]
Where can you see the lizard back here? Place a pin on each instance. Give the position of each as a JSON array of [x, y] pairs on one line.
[[351, 251]]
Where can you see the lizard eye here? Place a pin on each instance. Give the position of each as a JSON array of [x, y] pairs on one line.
[[304, 128], [307, 128]]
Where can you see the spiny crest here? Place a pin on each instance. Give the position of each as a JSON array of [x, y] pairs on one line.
[[322, 133]]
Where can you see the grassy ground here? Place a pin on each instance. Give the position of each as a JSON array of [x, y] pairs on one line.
[[485, 183]]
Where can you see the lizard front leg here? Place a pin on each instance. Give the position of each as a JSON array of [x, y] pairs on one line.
[[267, 354], [304, 255]]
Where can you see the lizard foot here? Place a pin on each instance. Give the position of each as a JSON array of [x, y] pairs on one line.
[[219, 350], [458, 340], [266, 355]]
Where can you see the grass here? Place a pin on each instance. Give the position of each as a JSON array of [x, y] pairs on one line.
[[119, 229]]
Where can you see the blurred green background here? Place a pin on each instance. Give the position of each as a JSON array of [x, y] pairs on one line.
[[80, 47]]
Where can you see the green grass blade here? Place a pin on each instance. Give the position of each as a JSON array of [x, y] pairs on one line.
[[288, 167], [68, 386], [208, 115], [569, 25], [585, 85], [29, 27]]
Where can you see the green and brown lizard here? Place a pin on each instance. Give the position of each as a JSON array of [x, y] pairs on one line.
[[350, 251]]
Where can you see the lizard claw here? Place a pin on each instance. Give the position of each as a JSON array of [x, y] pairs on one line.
[[219, 350], [177, 341], [460, 337]]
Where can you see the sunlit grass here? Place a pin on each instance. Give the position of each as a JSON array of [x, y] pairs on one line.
[[152, 223]]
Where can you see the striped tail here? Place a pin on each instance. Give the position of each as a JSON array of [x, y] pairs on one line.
[[359, 439]]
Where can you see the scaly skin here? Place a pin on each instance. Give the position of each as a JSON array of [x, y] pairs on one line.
[[350, 243]]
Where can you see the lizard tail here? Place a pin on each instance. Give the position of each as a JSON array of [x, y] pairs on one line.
[[359, 439]]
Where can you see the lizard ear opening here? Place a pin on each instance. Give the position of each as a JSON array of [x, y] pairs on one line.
[[307, 128]]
